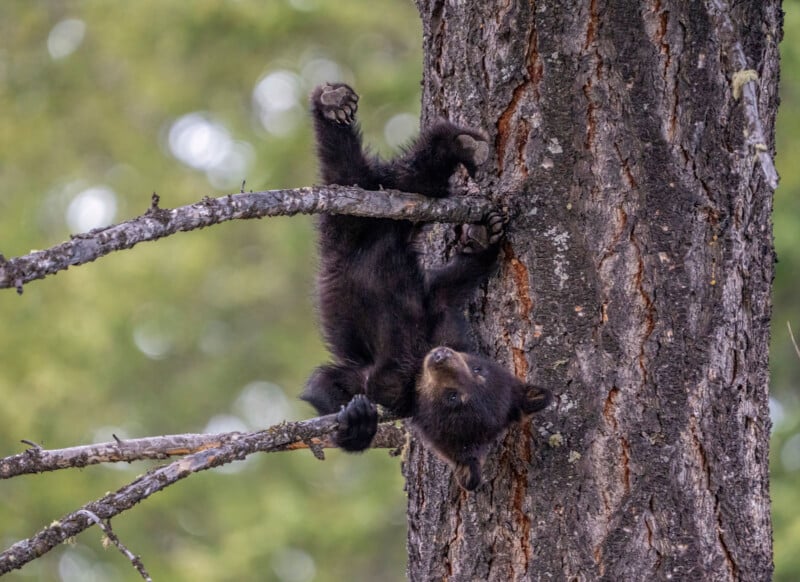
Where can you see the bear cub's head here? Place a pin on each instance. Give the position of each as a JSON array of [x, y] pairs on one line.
[[464, 402]]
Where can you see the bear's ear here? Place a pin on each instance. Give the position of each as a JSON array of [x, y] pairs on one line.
[[468, 475], [534, 398]]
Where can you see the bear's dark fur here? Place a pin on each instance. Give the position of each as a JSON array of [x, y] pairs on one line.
[[397, 332]]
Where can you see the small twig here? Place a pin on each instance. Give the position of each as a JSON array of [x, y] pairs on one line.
[[159, 222], [112, 537], [794, 343]]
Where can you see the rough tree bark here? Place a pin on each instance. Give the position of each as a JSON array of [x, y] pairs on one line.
[[635, 283]]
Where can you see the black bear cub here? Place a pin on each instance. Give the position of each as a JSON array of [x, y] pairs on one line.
[[397, 332]]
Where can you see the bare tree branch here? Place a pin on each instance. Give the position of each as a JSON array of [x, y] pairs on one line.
[[236, 447], [39, 460], [794, 343], [158, 222]]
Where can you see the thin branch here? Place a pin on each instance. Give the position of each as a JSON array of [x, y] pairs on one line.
[[283, 436], [112, 537], [39, 460], [158, 222], [742, 78], [794, 343]]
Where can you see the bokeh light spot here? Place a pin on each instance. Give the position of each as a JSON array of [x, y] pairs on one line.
[[276, 99], [318, 71], [790, 453], [400, 129], [65, 38], [293, 565], [92, 208], [199, 142], [262, 404]]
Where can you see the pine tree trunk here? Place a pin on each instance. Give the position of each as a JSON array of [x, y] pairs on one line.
[[635, 283]]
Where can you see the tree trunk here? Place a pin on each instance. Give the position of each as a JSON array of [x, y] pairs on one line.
[[635, 283]]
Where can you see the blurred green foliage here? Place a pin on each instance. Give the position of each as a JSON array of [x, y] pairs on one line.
[[100, 104], [207, 330], [784, 359]]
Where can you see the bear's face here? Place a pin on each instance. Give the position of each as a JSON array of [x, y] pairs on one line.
[[464, 402], [463, 384]]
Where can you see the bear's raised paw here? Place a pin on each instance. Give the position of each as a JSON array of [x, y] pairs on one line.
[[336, 102]]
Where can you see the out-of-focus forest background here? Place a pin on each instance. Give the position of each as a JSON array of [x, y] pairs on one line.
[[103, 103]]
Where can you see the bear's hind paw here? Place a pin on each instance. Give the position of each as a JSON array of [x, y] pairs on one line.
[[479, 237]]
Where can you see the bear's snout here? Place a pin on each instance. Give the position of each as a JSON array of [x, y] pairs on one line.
[[439, 355]]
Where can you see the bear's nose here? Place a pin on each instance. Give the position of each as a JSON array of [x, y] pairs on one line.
[[439, 355]]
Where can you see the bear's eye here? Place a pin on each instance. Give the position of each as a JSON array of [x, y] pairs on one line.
[[451, 396], [477, 370]]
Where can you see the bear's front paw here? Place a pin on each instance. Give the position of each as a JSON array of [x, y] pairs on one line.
[[335, 102], [479, 237], [358, 423], [473, 149]]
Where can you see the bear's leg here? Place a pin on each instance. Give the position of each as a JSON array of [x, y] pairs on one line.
[[342, 159], [389, 386], [340, 389], [429, 162], [331, 387], [452, 284]]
